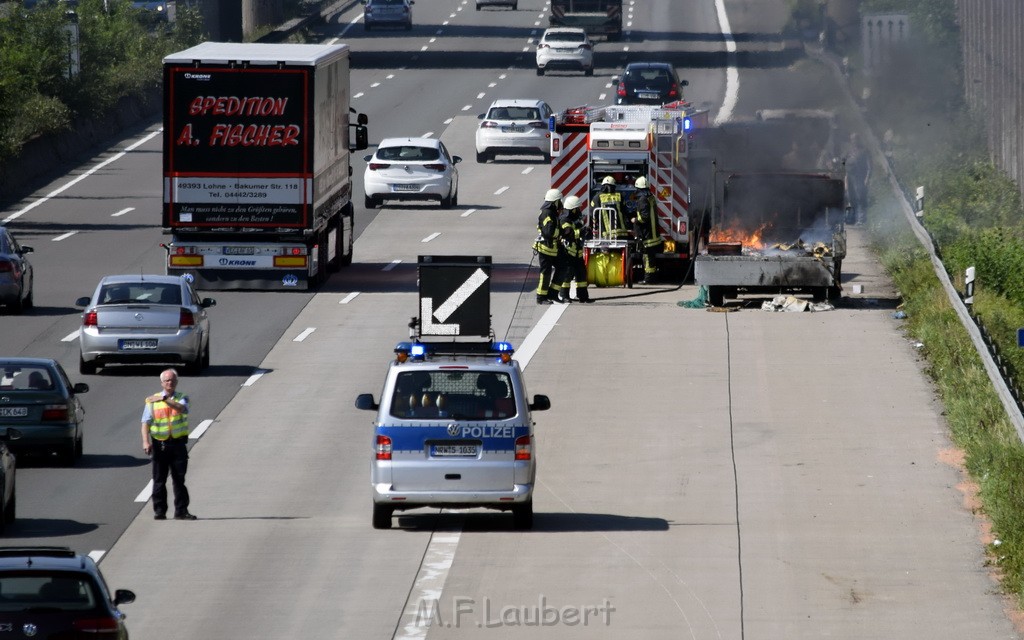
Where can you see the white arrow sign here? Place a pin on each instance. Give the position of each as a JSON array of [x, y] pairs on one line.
[[449, 306]]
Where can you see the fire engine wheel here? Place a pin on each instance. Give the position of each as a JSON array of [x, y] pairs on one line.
[[382, 517]]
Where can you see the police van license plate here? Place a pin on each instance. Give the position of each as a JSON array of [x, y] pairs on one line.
[[136, 345], [454, 450]]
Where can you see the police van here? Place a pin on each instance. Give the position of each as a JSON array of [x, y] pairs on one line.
[[454, 428]]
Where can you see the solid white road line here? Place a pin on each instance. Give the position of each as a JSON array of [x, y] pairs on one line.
[[200, 429], [732, 76], [145, 494], [97, 555]]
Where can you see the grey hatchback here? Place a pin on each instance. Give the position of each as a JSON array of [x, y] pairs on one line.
[[40, 402], [144, 319], [15, 273]]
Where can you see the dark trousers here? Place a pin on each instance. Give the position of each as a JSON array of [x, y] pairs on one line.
[[170, 456], [548, 272]]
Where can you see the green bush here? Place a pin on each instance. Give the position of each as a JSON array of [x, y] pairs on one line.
[[118, 56]]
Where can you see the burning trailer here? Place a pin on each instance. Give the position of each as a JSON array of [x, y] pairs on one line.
[[776, 224], [776, 233]]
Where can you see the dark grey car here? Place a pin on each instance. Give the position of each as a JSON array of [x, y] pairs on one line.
[[649, 83], [38, 399], [15, 274]]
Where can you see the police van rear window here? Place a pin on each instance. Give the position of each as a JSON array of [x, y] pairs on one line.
[[454, 394]]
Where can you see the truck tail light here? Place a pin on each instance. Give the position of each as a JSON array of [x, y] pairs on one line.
[[58, 412], [383, 448], [524, 450], [90, 319], [186, 319]]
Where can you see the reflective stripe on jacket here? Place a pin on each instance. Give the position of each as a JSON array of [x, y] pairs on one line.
[[547, 231], [646, 216]]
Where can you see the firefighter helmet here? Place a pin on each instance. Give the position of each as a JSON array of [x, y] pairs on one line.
[[553, 195], [608, 180], [571, 202], [641, 183]]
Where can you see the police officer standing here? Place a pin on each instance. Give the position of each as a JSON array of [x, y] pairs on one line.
[[165, 439], [546, 246], [613, 225], [572, 234], [645, 226]]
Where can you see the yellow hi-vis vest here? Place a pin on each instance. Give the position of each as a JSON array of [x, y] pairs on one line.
[[168, 423], [612, 226], [547, 224]]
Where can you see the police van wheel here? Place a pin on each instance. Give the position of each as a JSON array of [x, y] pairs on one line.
[[522, 515], [382, 517]]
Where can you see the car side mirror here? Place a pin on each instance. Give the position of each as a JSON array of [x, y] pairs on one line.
[[362, 137], [456, 159], [365, 402], [367, 158], [615, 79], [124, 596], [684, 83], [82, 302], [540, 403], [80, 387], [25, 249], [208, 302], [480, 116]]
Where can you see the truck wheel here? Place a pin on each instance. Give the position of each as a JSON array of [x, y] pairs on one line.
[[716, 296], [522, 516], [382, 516]]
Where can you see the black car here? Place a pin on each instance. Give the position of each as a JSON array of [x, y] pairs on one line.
[[649, 83], [38, 399], [53, 592], [15, 274]]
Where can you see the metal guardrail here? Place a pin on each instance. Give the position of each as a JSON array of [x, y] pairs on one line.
[[994, 369]]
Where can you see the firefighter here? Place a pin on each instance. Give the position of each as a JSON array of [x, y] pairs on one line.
[[546, 246], [613, 225], [645, 227], [572, 232]]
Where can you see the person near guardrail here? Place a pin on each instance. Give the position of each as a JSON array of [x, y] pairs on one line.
[[645, 227], [573, 266], [858, 175], [546, 246], [165, 440]]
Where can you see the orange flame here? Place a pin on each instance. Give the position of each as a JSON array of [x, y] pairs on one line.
[[749, 239]]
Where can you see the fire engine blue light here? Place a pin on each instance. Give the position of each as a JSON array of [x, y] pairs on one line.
[[502, 346], [687, 124]]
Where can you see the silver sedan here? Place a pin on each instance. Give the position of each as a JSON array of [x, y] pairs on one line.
[[144, 319]]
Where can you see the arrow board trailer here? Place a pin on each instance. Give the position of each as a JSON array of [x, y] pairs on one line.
[[257, 164], [455, 297]]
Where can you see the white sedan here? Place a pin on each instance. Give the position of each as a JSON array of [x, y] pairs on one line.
[[411, 169], [514, 127], [565, 48]]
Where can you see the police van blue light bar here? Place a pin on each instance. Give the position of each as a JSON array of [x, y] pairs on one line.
[[405, 351]]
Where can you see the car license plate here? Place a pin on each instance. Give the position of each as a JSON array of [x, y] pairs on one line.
[[13, 412], [404, 187], [646, 96], [239, 251], [514, 128], [136, 345], [454, 450]]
